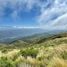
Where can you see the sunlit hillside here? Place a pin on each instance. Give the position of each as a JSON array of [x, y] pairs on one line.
[[43, 52]]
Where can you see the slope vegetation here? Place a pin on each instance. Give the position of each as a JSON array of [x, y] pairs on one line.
[[40, 51]]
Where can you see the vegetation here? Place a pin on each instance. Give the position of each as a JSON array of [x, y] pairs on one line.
[[43, 52]]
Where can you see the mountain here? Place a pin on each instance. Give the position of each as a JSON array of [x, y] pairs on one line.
[[39, 38], [8, 35], [40, 50]]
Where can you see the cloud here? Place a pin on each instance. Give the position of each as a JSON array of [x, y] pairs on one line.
[[16, 6], [60, 21], [53, 14]]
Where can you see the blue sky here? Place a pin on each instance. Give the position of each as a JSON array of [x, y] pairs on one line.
[[34, 13]]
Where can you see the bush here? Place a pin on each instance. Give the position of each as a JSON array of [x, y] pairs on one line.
[[29, 52], [5, 62]]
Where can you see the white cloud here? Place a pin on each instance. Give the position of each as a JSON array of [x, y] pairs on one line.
[[60, 21], [17, 5], [51, 15], [53, 12]]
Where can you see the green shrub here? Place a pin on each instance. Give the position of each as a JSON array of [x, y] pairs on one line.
[[5, 62], [29, 52]]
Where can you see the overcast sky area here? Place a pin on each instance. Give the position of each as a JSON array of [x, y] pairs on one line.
[[48, 14]]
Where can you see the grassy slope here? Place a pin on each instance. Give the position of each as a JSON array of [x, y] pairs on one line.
[[45, 52]]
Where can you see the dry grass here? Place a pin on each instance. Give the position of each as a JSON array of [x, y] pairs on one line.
[[57, 62], [51, 56]]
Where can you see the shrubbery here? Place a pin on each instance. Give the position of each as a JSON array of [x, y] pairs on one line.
[[29, 52], [5, 62]]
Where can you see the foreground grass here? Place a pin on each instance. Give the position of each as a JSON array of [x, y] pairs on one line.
[[52, 53]]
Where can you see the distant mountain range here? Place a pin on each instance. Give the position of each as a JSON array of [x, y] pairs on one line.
[[10, 34]]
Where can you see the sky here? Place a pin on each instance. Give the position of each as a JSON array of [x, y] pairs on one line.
[[48, 14]]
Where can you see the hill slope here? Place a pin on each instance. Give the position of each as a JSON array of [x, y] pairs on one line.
[[42, 51]]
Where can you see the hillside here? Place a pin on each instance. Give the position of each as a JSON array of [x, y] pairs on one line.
[[37, 51], [8, 35]]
